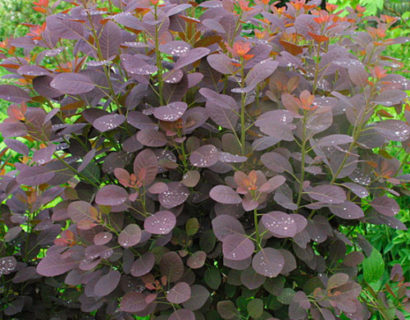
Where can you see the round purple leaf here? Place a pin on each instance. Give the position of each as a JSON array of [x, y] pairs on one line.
[[327, 194], [347, 210], [161, 222], [102, 238], [174, 196], [205, 156], [197, 260], [133, 302], [170, 112], [111, 195], [179, 293], [237, 247], [107, 283], [72, 83], [7, 265], [182, 314], [108, 122], [130, 236], [280, 224], [143, 265], [224, 225], [224, 194], [268, 262], [386, 206]]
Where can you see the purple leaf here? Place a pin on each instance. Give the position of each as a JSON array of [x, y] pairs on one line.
[[129, 21], [54, 265], [34, 176], [259, 73], [199, 296], [42, 85], [237, 247], [146, 166], [87, 159], [161, 222], [191, 178], [276, 162], [140, 121], [334, 140], [327, 194], [390, 97], [272, 184], [83, 213], [17, 146], [179, 293], [224, 225], [347, 210], [72, 83], [394, 130], [221, 63], [205, 156], [111, 195], [176, 195], [283, 128], [224, 194], [108, 122], [10, 129], [110, 40], [386, 206], [280, 224], [44, 155], [133, 302], [268, 262], [13, 94], [151, 138], [171, 266], [170, 112], [226, 157], [107, 283], [222, 109], [192, 56], [143, 264], [7, 265], [102, 238], [358, 190], [196, 260], [175, 48], [358, 75], [129, 236], [137, 66], [250, 279], [182, 314]]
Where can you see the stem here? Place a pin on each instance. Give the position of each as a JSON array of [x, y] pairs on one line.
[[256, 222], [158, 61], [243, 105], [302, 165]]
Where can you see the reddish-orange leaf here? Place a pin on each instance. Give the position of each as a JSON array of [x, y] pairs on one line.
[[318, 38], [291, 47]]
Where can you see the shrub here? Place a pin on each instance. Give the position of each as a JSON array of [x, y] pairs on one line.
[[174, 165]]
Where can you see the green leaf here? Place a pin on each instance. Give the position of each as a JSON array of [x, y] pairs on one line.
[[255, 308], [192, 226], [372, 6], [213, 278], [373, 267]]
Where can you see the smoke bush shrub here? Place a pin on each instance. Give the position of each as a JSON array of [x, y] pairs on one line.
[[176, 165]]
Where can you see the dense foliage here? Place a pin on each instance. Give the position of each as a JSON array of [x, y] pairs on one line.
[[176, 164]]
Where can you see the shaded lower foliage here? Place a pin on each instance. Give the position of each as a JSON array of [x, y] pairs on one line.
[[173, 167]]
